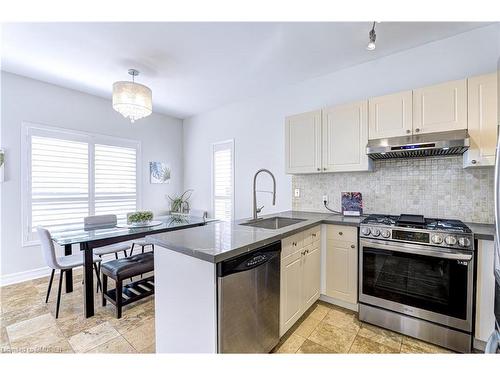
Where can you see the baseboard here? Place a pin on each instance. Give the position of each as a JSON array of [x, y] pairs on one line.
[[19, 277], [337, 302]]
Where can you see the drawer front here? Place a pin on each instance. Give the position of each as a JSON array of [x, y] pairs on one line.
[[311, 235], [291, 244], [285, 261], [342, 233]]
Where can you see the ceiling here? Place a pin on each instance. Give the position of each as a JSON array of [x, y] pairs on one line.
[[194, 67]]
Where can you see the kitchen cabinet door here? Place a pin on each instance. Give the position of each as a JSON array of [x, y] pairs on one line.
[[291, 291], [303, 143], [390, 115], [345, 135], [311, 274], [482, 120], [441, 107], [485, 298], [342, 265]]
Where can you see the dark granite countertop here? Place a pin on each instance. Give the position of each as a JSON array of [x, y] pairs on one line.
[[482, 231], [218, 241]]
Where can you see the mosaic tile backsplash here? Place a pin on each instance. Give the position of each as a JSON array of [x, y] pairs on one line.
[[433, 187]]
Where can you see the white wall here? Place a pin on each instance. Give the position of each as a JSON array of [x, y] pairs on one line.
[[25, 99], [257, 124]]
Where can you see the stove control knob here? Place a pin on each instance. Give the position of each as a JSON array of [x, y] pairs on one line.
[[437, 239], [450, 240], [365, 231], [464, 242], [376, 232], [385, 233]]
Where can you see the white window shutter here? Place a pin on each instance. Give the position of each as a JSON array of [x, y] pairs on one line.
[[59, 183], [115, 180], [70, 175], [223, 180]]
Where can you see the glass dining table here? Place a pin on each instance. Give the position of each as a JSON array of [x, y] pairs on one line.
[[89, 239]]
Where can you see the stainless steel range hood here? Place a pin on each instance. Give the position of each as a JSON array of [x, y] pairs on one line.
[[454, 142]]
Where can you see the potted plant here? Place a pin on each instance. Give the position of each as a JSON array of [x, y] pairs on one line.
[[180, 204], [140, 218]]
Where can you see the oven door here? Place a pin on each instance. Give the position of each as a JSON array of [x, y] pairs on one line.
[[422, 281]]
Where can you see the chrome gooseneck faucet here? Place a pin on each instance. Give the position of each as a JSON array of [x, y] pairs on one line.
[[255, 209]]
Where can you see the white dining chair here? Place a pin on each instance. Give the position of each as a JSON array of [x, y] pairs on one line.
[[103, 221], [63, 264], [143, 244]]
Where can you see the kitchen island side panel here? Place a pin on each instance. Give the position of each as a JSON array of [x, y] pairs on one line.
[[185, 303]]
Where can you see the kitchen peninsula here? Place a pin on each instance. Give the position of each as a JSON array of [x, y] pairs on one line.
[[192, 258]]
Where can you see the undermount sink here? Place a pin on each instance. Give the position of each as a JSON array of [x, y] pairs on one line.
[[272, 222]]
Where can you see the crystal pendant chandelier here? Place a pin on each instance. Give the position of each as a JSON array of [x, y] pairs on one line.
[[131, 99]]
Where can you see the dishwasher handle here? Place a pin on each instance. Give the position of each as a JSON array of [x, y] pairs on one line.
[[250, 261]]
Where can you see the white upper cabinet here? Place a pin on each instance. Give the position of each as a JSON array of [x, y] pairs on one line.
[[345, 135], [390, 115], [440, 107], [482, 121], [303, 143]]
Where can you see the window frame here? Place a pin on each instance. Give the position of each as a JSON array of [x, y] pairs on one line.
[[230, 143], [29, 129]]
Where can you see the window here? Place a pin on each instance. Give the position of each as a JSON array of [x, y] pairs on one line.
[[115, 180], [223, 180], [70, 175]]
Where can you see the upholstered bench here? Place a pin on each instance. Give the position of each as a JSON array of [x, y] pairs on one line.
[[124, 268]]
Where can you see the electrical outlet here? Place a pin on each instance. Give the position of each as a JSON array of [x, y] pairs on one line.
[[296, 193], [325, 198]]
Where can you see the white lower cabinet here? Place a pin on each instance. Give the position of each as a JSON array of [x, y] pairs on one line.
[[291, 290], [342, 264], [300, 275], [311, 277], [485, 297]]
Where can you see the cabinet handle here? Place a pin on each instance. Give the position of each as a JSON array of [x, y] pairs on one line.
[[408, 131], [473, 161], [352, 246], [294, 243], [340, 233], [417, 130], [324, 169], [318, 169], [314, 234]]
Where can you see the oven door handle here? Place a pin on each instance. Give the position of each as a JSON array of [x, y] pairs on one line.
[[416, 249]]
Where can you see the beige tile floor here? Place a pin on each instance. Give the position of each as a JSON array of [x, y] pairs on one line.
[[28, 325], [325, 328]]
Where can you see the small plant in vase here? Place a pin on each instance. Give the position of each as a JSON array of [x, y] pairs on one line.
[[140, 218], [180, 204]]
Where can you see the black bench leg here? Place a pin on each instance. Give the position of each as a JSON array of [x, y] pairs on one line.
[[132, 249], [104, 288], [119, 298]]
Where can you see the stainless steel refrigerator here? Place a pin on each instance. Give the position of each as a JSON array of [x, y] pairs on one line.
[[493, 345]]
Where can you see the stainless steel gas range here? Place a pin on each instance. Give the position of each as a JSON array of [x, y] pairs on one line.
[[416, 277]]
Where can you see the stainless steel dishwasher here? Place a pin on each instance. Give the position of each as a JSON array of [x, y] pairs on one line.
[[248, 301]]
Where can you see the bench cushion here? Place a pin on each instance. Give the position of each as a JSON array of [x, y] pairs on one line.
[[123, 268]]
